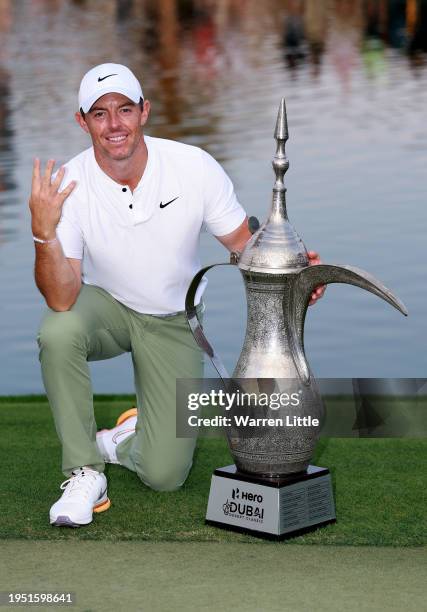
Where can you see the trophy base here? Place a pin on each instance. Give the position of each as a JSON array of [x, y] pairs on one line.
[[274, 508]]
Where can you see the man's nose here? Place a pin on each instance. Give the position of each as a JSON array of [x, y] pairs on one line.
[[114, 120]]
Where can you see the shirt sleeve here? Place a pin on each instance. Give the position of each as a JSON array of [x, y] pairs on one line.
[[222, 211], [68, 229]]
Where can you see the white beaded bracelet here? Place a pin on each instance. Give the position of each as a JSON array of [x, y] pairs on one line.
[[44, 241]]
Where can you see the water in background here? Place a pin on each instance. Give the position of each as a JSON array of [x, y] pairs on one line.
[[354, 74]]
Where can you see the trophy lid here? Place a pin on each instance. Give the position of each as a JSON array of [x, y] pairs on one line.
[[276, 248]]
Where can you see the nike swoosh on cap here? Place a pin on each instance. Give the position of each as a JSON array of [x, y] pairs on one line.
[[106, 77], [167, 203]]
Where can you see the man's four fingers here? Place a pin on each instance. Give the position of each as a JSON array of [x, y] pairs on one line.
[[45, 182]]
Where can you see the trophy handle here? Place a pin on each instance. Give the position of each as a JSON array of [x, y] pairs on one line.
[[191, 312], [195, 325], [323, 274]]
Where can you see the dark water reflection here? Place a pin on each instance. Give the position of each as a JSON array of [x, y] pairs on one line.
[[354, 74]]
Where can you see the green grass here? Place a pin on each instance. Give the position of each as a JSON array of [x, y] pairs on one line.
[[379, 487], [208, 577]]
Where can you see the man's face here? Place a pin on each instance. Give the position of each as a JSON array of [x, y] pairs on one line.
[[115, 125]]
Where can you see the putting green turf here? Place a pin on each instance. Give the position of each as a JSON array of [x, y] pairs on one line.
[[379, 487], [231, 577]]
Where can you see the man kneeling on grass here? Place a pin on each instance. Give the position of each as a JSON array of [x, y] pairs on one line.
[[116, 235]]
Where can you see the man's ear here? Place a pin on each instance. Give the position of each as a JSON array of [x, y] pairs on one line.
[[82, 123], [145, 112]]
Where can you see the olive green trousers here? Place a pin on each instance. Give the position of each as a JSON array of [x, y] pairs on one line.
[[163, 349]]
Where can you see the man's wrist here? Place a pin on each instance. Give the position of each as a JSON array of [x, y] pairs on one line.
[[40, 241], [44, 235], [41, 237]]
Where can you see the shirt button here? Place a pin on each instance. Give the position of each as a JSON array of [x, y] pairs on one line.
[[130, 205], [124, 189]]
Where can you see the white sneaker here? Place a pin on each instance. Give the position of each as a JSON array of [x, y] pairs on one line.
[[108, 439], [85, 492]]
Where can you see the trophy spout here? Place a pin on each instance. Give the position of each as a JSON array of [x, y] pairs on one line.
[[324, 274]]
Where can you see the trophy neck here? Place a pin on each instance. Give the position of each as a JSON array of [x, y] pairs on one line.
[[278, 214]]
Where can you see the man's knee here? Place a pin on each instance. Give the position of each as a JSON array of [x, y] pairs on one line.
[[61, 330], [164, 478]]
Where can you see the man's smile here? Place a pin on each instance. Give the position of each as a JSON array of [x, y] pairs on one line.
[[116, 139]]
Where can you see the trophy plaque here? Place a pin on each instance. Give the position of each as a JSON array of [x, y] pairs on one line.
[[271, 507]]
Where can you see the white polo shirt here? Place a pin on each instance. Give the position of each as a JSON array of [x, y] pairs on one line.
[[142, 247]]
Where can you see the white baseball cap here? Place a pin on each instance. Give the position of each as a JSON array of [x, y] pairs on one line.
[[108, 78]]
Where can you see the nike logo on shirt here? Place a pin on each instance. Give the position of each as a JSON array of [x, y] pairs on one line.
[[106, 77], [167, 203]]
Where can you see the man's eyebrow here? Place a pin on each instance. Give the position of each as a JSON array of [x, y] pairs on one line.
[[100, 108]]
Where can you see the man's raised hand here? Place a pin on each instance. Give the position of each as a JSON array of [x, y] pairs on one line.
[[46, 201]]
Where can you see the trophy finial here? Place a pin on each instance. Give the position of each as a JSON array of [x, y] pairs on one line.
[[280, 161], [281, 131], [276, 245]]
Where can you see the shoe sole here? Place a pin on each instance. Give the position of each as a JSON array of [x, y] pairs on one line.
[[65, 521], [132, 412]]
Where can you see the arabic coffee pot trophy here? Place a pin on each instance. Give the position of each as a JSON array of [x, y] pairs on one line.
[[272, 490]]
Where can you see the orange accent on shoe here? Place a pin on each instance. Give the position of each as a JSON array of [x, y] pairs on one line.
[[132, 412], [103, 506]]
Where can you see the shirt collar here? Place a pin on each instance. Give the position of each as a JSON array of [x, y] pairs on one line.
[[142, 199], [118, 187]]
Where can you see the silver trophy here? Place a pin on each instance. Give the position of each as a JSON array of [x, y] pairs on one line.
[[272, 489]]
